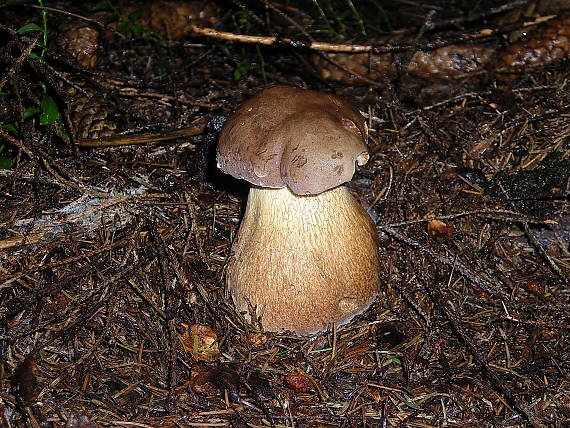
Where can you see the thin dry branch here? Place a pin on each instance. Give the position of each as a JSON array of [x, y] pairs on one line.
[[504, 215], [25, 52], [43, 160], [196, 128], [357, 48]]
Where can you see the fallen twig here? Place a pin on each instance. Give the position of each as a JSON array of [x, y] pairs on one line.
[[358, 48], [126, 140]]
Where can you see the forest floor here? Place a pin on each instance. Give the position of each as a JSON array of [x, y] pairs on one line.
[[115, 225]]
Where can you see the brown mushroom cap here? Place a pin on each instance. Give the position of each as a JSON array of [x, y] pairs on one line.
[[283, 136]]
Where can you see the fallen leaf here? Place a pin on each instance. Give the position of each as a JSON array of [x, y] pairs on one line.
[[298, 382], [550, 334], [24, 380], [219, 378], [254, 340], [202, 385], [535, 287], [201, 341], [440, 230]]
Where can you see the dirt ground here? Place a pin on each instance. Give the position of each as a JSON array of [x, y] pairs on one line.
[[116, 226]]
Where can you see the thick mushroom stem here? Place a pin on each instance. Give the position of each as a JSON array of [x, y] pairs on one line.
[[303, 263]]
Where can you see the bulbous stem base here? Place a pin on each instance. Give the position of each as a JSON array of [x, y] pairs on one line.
[[303, 263]]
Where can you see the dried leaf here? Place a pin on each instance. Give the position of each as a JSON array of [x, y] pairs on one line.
[[550, 334], [534, 287], [201, 341], [298, 382], [440, 230], [217, 379], [202, 385], [25, 381], [254, 340]]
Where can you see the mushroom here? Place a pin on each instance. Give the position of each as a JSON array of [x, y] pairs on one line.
[[306, 254]]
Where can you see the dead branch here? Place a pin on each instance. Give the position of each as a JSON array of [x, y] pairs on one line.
[[127, 140], [375, 49], [18, 62]]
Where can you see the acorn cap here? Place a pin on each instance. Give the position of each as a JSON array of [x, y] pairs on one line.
[[308, 141]]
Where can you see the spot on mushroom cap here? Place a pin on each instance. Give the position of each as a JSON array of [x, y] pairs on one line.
[[284, 136]]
